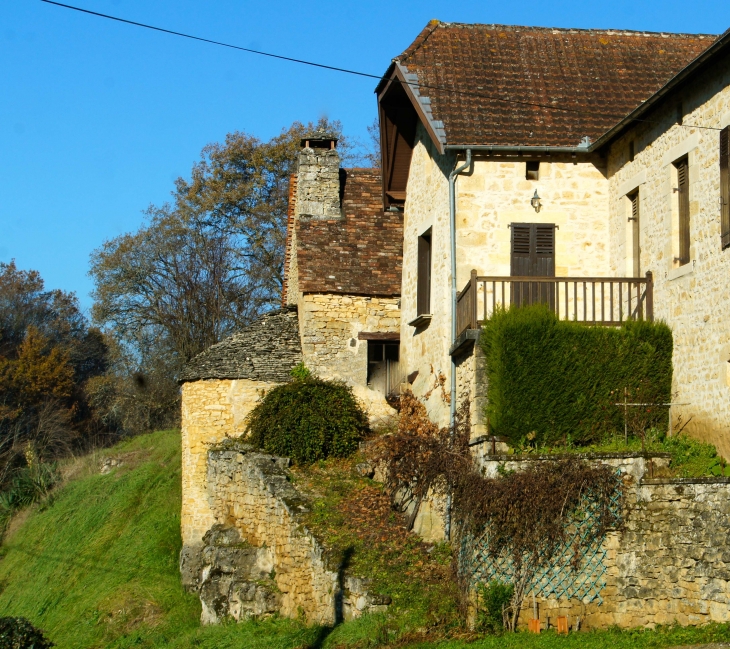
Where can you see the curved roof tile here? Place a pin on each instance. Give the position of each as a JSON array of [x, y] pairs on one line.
[[502, 85]]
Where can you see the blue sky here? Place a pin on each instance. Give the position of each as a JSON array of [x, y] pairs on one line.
[[98, 118]]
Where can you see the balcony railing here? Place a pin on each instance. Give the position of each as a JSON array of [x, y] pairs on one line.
[[593, 300]]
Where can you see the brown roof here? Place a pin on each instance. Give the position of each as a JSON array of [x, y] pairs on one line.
[[510, 76], [362, 253]]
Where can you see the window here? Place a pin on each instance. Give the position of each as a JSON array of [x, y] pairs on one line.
[[635, 243], [683, 225], [423, 289], [533, 170], [382, 351], [725, 186], [383, 366]]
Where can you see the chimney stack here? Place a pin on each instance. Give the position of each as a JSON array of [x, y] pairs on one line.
[[318, 177]]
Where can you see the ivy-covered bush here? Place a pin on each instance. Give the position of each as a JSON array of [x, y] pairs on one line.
[[493, 605], [307, 420], [554, 381], [19, 633]]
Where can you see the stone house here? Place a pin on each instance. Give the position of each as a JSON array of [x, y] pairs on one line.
[[585, 161], [589, 169], [340, 316], [343, 273]]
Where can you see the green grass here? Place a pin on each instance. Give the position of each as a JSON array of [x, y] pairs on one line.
[[690, 458], [96, 566]]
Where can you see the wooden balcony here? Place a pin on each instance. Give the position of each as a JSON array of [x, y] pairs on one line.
[[592, 300]]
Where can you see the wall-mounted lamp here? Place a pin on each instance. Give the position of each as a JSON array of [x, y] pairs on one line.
[[535, 202]]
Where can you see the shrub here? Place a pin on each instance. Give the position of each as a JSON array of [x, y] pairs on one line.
[[556, 380], [19, 633], [308, 419], [493, 604], [29, 485], [529, 515]]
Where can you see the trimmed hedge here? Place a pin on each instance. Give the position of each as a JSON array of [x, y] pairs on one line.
[[307, 420], [557, 381]]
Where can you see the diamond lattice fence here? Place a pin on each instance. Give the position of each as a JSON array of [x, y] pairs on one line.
[[561, 577]]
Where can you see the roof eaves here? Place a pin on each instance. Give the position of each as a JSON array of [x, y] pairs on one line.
[[385, 80], [697, 63], [436, 128]]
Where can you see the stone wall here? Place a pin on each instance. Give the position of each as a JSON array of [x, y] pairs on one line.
[[318, 184], [211, 411], [494, 194], [330, 325], [692, 298], [471, 385], [671, 561], [251, 497]]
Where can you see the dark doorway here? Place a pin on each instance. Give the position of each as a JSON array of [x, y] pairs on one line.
[[532, 255]]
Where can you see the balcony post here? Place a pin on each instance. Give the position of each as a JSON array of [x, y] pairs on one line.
[[649, 296], [473, 309]]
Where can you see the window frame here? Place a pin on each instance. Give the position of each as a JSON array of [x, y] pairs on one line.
[[725, 188], [684, 230], [424, 272]]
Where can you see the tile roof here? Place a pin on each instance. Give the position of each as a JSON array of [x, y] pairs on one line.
[[266, 350], [599, 75], [360, 254]]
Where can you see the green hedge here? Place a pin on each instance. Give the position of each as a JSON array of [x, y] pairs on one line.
[[558, 381], [307, 420]]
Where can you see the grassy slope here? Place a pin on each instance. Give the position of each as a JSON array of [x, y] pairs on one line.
[[97, 567]]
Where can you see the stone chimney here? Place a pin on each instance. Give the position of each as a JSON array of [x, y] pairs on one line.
[[318, 178]]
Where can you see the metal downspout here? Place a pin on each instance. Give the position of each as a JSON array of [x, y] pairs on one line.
[[452, 228]]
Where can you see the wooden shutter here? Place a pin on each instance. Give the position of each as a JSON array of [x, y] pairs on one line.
[[544, 250], [521, 258], [725, 186], [636, 244], [533, 250], [423, 290], [532, 255], [683, 187]]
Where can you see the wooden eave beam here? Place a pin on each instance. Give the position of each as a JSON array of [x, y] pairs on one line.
[[419, 108], [397, 75]]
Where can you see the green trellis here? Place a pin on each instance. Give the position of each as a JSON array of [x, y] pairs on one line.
[[559, 577]]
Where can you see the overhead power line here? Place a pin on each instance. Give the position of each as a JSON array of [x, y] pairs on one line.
[[346, 70]]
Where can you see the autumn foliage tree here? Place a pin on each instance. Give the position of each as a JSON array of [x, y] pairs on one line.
[[200, 267], [48, 353], [211, 260]]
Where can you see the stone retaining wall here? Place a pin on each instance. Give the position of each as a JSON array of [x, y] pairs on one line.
[[211, 410], [671, 561], [251, 499]]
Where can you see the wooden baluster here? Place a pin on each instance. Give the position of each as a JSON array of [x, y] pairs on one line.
[[649, 296], [620, 301], [473, 302], [603, 303], [628, 288], [593, 301], [610, 287]]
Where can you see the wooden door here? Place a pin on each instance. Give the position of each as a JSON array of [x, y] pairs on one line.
[[533, 255]]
